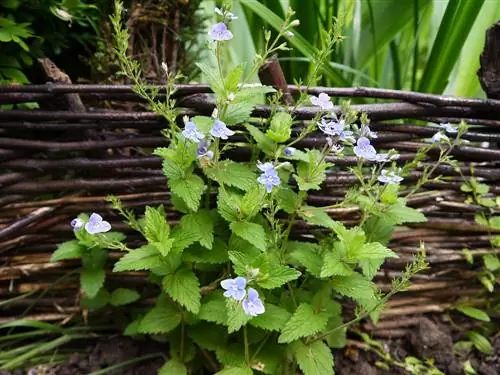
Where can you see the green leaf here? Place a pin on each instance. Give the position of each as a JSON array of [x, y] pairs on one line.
[[355, 286], [281, 127], [313, 359], [277, 276], [230, 370], [263, 142], [123, 296], [399, 213], [334, 265], [228, 204], [473, 313], [491, 262], [231, 173], [273, 319], [156, 227], [189, 190], [316, 215], [311, 175], [232, 78], [211, 73], [370, 267], [373, 250], [162, 318], [304, 322], [307, 255], [209, 336], [201, 223], [236, 316], [238, 113], [251, 232], [253, 201], [67, 250], [173, 367], [213, 309], [183, 237], [480, 342], [218, 254], [144, 258], [92, 280], [288, 201], [184, 287], [100, 300]]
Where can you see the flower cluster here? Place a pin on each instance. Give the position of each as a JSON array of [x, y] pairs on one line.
[[269, 177], [95, 224], [236, 289]]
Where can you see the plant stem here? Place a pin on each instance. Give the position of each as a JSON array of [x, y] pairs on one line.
[[247, 353]]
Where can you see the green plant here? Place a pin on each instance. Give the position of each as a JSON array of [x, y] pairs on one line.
[[229, 278]]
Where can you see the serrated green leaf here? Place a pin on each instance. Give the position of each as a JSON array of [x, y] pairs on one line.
[[399, 213], [370, 267], [304, 322], [313, 359], [307, 254], [189, 190], [316, 215], [236, 316], [211, 73], [144, 258], [183, 237], [213, 309], [184, 287], [231, 173], [334, 265], [273, 319], [252, 201], [92, 280], [203, 123], [67, 250], [277, 275], [112, 236], [238, 113], [355, 286], [218, 254], [240, 261], [480, 342], [263, 142], [123, 296], [100, 300], [310, 175], [281, 127], [209, 336], [491, 262], [231, 355], [235, 371], [162, 318], [156, 227], [251, 232], [173, 367], [232, 78], [378, 229], [228, 204], [202, 224], [473, 313], [288, 200], [369, 251]]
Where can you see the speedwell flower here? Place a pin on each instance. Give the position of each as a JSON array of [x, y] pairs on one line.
[[235, 288], [270, 176], [220, 130], [391, 177], [289, 151], [336, 128], [202, 150], [219, 32], [322, 100], [364, 149], [191, 132], [77, 224], [449, 128], [438, 137], [253, 305], [97, 225]]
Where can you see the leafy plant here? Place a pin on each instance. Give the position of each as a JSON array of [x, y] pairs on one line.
[[230, 278]]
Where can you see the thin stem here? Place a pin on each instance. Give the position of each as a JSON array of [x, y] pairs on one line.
[[247, 352]]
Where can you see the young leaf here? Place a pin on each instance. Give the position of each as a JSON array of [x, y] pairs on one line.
[[156, 227], [123, 296], [480, 342], [183, 237], [313, 359], [68, 250], [288, 200], [306, 254], [263, 142], [277, 275], [369, 267], [173, 367], [189, 189], [316, 216], [473, 313], [144, 258], [281, 127], [251, 232], [162, 318], [252, 201], [184, 287], [92, 280], [273, 319], [304, 322], [311, 175], [202, 224]]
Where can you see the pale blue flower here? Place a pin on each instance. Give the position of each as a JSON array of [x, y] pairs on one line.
[[334, 128], [253, 305], [364, 149], [77, 224], [365, 131], [289, 151], [235, 288], [202, 150], [270, 176], [391, 177], [438, 137], [266, 167], [382, 158], [97, 225], [449, 128], [219, 32], [220, 130], [322, 100], [191, 132]]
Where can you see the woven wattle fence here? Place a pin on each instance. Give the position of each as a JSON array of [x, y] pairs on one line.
[[61, 160]]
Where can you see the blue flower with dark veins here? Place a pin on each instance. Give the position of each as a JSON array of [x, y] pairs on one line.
[[220, 33], [191, 132], [220, 130], [364, 149], [270, 176], [77, 224], [235, 288], [391, 177], [334, 128], [97, 225], [253, 305], [202, 150]]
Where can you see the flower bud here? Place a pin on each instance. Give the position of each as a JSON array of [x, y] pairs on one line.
[[294, 23]]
